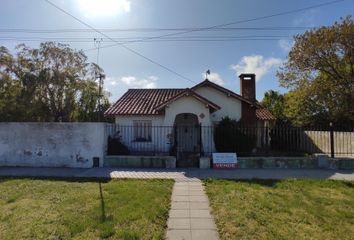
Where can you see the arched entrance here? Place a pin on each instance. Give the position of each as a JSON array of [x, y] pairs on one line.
[[187, 140]]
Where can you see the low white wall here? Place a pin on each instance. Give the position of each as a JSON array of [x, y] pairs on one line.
[[51, 144]]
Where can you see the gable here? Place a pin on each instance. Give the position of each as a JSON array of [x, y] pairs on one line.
[[230, 106], [189, 93], [207, 83]]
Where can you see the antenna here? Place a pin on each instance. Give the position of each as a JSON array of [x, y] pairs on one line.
[[207, 73]]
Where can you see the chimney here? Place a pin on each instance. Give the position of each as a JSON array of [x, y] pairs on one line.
[[248, 86]]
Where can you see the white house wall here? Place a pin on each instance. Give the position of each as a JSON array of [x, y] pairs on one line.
[[230, 106], [160, 133], [157, 120], [189, 104], [162, 125]]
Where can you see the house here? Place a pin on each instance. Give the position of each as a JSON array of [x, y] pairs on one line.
[[160, 118]]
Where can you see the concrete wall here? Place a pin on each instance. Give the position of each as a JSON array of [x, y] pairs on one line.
[[140, 161], [52, 144]]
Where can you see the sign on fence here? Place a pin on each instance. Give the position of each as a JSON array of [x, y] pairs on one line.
[[224, 160]]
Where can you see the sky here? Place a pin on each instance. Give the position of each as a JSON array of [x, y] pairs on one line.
[[259, 46]]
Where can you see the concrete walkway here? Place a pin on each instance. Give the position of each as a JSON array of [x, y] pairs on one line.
[[179, 174], [190, 215]]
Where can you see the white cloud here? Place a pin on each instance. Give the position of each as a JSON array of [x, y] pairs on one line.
[[285, 44], [118, 86], [256, 64], [111, 81], [132, 82], [215, 78]]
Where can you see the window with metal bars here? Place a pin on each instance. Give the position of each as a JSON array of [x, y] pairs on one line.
[[142, 130]]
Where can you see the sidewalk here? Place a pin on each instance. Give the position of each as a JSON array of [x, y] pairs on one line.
[[178, 174], [190, 215]]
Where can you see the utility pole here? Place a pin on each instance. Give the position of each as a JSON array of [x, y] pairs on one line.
[[99, 76]]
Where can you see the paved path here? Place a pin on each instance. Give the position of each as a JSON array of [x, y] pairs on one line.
[[190, 215], [180, 174]]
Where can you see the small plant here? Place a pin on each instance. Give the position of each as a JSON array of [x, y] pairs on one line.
[[116, 147], [229, 136]]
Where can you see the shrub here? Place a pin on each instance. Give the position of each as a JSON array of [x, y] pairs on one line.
[[116, 147], [229, 136]]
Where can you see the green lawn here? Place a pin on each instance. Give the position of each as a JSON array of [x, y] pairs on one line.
[[289, 209], [58, 209]]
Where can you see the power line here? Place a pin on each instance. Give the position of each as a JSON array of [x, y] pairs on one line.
[[118, 43], [235, 22], [187, 31], [149, 41], [137, 37], [85, 30]]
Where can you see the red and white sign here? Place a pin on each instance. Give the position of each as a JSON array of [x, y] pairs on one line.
[[224, 160]]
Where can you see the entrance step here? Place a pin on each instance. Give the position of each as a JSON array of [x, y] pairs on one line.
[[188, 160]]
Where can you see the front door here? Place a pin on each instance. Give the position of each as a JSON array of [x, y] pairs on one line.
[[187, 140]]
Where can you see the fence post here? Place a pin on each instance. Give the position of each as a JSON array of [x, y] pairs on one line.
[[175, 139], [331, 135], [267, 140], [200, 139]]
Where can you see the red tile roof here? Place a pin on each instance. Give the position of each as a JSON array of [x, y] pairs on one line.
[[150, 101], [141, 101], [192, 93], [264, 114]]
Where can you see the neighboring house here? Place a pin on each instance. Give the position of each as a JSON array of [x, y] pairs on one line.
[[204, 104]]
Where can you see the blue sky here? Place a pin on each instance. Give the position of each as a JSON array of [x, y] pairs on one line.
[[225, 59]]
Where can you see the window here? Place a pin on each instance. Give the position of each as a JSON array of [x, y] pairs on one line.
[[142, 131]]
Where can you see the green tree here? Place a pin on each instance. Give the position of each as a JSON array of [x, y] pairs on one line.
[[51, 83], [275, 103], [320, 74], [230, 136]]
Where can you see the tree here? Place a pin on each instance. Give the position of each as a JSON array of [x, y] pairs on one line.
[[319, 72], [275, 103], [51, 83], [230, 136]]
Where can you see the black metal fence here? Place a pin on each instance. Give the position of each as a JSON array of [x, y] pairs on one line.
[[244, 140]]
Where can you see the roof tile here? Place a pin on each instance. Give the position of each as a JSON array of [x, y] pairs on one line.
[[264, 114], [142, 101]]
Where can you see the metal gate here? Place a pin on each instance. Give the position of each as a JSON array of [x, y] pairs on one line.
[[188, 145]]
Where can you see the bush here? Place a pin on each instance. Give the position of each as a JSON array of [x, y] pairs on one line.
[[116, 147], [229, 136]]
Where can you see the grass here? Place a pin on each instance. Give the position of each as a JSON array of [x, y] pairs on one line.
[[288, 209], [76, 209]]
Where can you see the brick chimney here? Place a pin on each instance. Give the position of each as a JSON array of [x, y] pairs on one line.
[[248, 86], [248, 91]]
